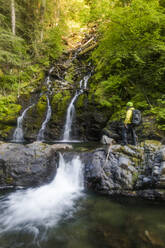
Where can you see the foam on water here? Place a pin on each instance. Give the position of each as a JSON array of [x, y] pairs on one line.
[[46, 205]]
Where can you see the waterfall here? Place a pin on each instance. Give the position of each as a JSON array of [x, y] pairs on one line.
[[86, 78], [51, 69], [71, 109], [48, 81], [40, 135], [18, 133], [33, 210], [69, 117]]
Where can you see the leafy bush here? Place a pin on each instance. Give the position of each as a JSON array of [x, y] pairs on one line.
[[130, 57]]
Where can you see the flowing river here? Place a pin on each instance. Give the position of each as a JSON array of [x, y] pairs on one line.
[[62, 215]]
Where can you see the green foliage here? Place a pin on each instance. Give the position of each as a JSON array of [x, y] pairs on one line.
[[41, 105], [52, 47], [77, 11], [99, 10], [159, 112], [130, 56], [12, 50], [9, 108], [57, 97], [59, 103]]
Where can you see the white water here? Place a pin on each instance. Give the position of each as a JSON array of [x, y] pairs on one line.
[[48, 81], [18, 133], [69, 118], [31, 209], [71, 109], [84, 81], [51, 69], [40, 136]]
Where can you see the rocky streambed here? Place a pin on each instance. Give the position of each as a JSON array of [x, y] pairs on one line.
[[111, 170]]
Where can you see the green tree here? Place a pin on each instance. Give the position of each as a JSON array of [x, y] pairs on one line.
[[130, 56]]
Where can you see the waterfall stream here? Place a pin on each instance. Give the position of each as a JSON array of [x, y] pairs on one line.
[[18, 133], [40, 136], [29, 210], [71, 109]]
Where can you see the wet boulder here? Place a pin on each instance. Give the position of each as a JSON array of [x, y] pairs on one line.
[[127, 170], [28, 165], [110, 170]]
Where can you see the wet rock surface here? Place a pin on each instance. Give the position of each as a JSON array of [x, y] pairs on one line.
[[28, 165], [127, 170], [132, 171]]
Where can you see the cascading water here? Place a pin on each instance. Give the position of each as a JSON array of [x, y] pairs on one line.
[[69, 117], [40, 136], [18, 133], [36, 210], [48, 81], [71, 109]]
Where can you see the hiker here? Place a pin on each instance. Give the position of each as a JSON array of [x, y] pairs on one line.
[[128, 126]]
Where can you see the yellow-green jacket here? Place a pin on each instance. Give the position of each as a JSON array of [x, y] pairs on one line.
[[128, 118]]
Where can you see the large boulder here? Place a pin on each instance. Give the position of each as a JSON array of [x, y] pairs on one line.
[[127, 170], [113, 169], [28, 165]]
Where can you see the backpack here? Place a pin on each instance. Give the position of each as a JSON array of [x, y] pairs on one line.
[[136, 117]]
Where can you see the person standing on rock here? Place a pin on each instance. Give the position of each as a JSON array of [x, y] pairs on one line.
[[128, 126]]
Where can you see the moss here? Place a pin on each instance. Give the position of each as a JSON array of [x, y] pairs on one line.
[[80, 101], [60, 103], [135, 177], [118, 115], [151, 144], [9, 180], [70, 74], [56, 98], [107, 174], [5, 130], [1, 73], [9, 115], [41, 105], [136, 161]]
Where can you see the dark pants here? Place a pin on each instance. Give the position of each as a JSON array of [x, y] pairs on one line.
[[125, 131]]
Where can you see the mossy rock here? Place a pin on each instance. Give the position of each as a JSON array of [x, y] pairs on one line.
[[41, 105], [5, 131], [70, 73], [60, 103], [9, 110], [9, 180], [153, 144], [80, 101], [135, 177]]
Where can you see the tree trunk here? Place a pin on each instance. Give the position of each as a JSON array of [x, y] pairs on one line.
[[57, 11], [43, 7], [13, 16]]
